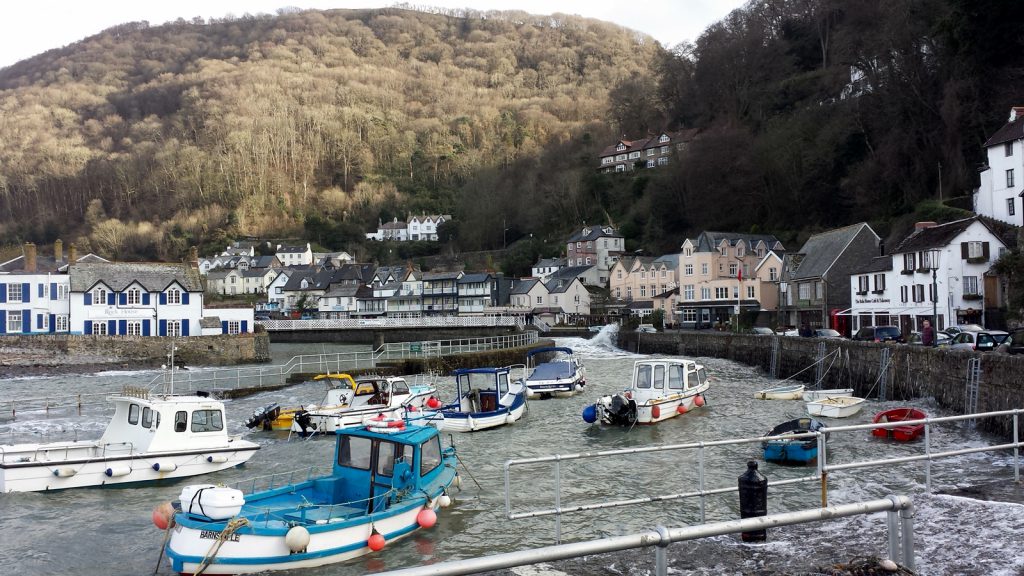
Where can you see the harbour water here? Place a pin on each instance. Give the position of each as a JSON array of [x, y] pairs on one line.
[[108, 531]]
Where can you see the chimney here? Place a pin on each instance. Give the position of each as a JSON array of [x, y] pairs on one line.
[[923, 225], [58, 251], [72, 253], [30, 257], [1016, 112], [193, 256]]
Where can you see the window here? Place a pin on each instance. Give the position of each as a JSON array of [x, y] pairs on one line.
[[620, 168], [804, 291], [773, 275], [173, 327], [61, 323], [650, 151], [909, 262], [689, 314], [540, 299], [180, 421], [688, 292], [971, 285], [650, 164], [1009, 178], [862, 284], [643, 291], [704, 268], [44, 322], [620, 147], [1008, 149], [14, 292], [721, 292], [643, 377], [663, 150], [736, 292], [133, 296], [705, 293], [62, 291], [134, 328], [1011, 205], [903, 293], [607, 160], [634, 155], [133, 414], [750, 292], [732, 269], [675, 377], [663, 161], [659, 377], [740, 251], [98, 328], [588, 261], [234, 327], [819, 290], [207, 421], [99, 296], [354, 452], [688, 269], [620, 157], [147, 417], [919, 293], [975, 250], [174, 296], [724, 251], [618, 292], [618, 274], [879, 282], [430, 455]]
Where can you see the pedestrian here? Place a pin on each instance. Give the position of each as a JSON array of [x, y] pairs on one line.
[[805, 330], [927, 334]]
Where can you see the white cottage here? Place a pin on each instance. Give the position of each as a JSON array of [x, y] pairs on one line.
[[998, 195]]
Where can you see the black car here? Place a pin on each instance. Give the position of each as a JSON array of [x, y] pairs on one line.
[[1015, 342], [879, 334]]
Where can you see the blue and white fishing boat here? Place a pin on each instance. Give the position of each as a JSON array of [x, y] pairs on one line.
[[785, 450], [485, 398], [387, 481], [562, 376]]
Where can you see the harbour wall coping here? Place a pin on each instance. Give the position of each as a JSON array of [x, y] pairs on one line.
[[910, 372]]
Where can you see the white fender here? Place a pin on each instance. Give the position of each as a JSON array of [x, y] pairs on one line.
[[216, 458], [164, 466], [65, 472], [119, 470]]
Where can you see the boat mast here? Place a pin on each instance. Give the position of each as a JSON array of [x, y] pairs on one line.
[[169, 384]]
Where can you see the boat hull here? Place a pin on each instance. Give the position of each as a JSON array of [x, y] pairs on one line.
[[790, 452], [652, 411], [66, 465], [475, 421], [815, 395], [838, 407], [780, 393], [904, 433], [329, 421]]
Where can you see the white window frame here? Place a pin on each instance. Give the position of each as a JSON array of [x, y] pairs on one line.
[[174, 328], [1011, 206], [879, 282], [173, 296], [134, 328], [61, 323], [133, 297], [1009, 178], [63, 291], [705, 293], [14, 294], [721, 292], [975, 250], [99, 328], [750, 292], [14, 324], [688, 270], [688, 292], [704, 268], [234, 327], [689, 314]]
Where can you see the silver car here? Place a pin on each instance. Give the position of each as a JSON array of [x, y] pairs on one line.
[[980, 341]]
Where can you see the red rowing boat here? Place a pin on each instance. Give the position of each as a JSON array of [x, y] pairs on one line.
[[902, 433]]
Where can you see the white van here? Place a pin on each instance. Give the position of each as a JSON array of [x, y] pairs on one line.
[[649, 328]]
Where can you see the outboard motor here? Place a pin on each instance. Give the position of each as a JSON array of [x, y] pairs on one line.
[[305, 422], [263, 417], [621, 410]]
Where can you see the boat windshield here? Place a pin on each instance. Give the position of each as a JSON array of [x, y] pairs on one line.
[[354, 452], [643, 377], [502, 383], [702, 376], [430, 455], [675, 377], [659, 377]]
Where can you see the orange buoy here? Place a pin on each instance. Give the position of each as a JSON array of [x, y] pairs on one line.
[[426, 518], [656, 412], [162, 515], [433, 403], [699, 401], [376, 541], [681, 408]]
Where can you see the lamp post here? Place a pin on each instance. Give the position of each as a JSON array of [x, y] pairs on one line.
[[933, 265]]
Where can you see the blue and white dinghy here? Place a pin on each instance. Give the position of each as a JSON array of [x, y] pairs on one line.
[[485, 398], [562, 376], [387, 481]]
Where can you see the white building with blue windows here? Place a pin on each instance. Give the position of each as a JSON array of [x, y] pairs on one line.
[[34, 291]]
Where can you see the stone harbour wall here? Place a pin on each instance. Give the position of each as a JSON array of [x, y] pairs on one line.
[[66, 350], [910, 371]]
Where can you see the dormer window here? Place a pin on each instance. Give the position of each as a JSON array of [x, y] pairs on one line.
[[724, 250], [664, 138], [174, 296], [620, 147], [99, 296], [133, 296]]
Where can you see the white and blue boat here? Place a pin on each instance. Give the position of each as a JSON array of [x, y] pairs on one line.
[[783, 449], [562, 376], [387, 480], [661, 388], [484, 398]]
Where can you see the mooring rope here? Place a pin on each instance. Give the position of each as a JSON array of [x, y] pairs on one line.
[[226, 533], [822, 359], [167, 536]]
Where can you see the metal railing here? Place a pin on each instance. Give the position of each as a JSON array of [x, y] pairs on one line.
[[702, 492], [419, 322], [10, 408], [899, 521]]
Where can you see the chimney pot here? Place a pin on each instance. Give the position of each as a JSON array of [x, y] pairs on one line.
[[922, 225], [72, 253], [58, 251], [30, 257], [1016, 112]]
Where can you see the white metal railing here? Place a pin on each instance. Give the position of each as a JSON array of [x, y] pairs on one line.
[[420, 322], [899, 520], [702, 492]]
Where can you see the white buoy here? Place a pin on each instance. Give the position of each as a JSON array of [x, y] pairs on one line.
[[217, 459], [297, 538], [65, 472], [115, 471], [444, 501], [164, 466]]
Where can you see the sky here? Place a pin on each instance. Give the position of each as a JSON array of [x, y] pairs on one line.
[[31, 27]]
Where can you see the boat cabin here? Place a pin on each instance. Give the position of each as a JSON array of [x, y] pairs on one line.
[[339, 388], [664, 377], [480, 389], [379, 391], [144, 422], [376, 469]]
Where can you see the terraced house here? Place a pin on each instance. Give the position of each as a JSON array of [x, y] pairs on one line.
[[598, 246], [648, 152]]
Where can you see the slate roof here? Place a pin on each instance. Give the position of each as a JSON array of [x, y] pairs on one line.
[[476, 278], [523, 286], [822, 250], [649, 142], [708, 241], [877, 264], [431, 276], [934, 237], [265, 261], [317, 280], [293, 249], [593, 233], [549, 263], [640, 305], [255, 272], [342, 290], [558, 285], [44, 264], [668, 293], [1008, 133], [153, 276], [570, 272]]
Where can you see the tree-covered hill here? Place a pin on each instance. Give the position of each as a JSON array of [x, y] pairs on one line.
[[183, 133]]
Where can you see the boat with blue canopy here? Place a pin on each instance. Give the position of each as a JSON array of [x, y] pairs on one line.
[[388, 479], [484, 398], [562, 376]]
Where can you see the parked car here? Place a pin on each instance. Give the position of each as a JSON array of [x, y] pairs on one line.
[[826, 333], [879, 334], [649, 328], [954, 330], [980, 341], [762, 331], [261, 316], [941, 339], [1015, 342]]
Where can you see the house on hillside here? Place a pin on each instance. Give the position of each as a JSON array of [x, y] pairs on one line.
[[648, 152], [898, 288], [815, 284], [295, 255], [441, 293], [407, 301], [546, 267], [635, 278], [998, 195], [476, 293], [598, 246]]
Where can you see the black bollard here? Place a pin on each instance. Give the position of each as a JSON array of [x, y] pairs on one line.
[[753, 500]]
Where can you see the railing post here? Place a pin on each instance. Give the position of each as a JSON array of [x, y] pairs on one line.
[[661, 551], [558, 499], [892, 523], [907, 539], [928, 461], [700, 480], [1016, 449]]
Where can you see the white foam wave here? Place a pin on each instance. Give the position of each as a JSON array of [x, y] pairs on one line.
[[602, 345]]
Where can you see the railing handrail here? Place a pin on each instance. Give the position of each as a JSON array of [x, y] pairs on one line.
[[901, 545]]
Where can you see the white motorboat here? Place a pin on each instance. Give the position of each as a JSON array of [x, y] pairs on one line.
[[661, 389], [562, 376], [812, 395], [837, 407], [150, 437], [790, 392], [374, 396], [485, 398]]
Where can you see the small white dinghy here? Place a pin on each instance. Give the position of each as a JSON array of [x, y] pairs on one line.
[[790, 392], [837, 407], [812, 395]]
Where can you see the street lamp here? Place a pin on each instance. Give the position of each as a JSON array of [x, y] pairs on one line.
[[933, 265]]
